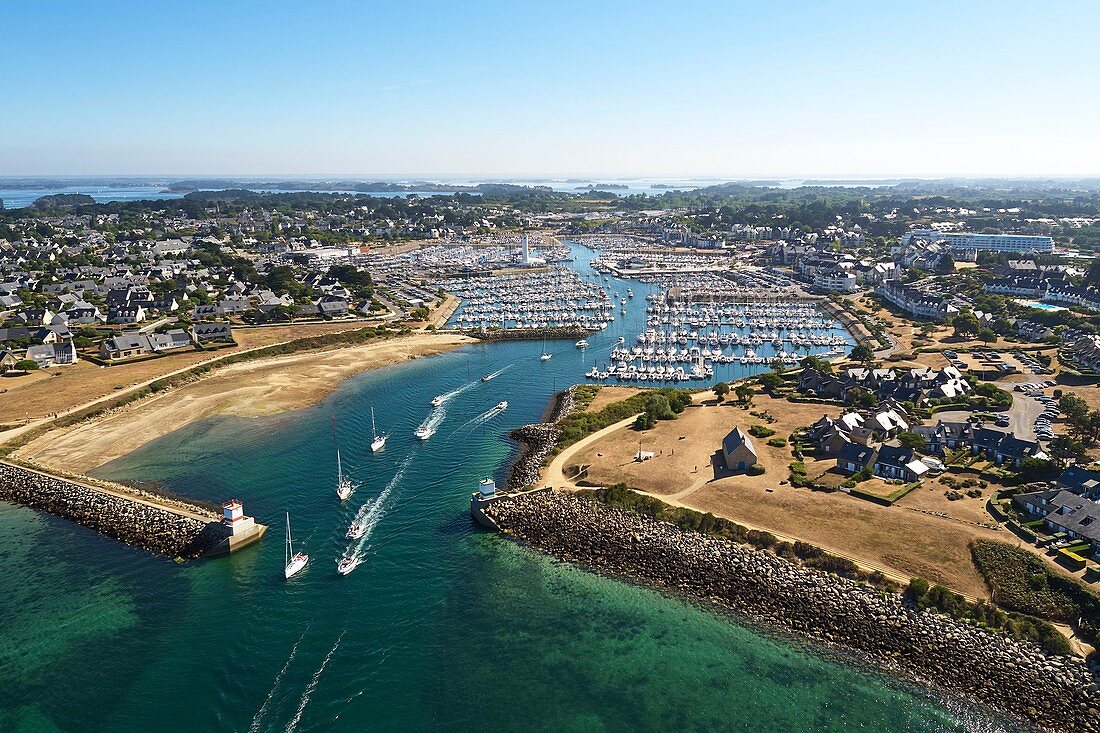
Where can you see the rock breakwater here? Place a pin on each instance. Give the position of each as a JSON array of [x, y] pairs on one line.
[[537, 440], [151, 528], [519, 334], [1057, 693]]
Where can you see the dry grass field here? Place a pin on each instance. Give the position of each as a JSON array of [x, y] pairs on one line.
[[608, 395], [896, 538], [685, 447]]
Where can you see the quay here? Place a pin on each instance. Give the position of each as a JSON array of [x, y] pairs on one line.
[[161, 526]]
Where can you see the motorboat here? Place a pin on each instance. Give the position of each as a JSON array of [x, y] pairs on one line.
[[347, 564]]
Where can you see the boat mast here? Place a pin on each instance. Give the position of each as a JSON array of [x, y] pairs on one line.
[[289, 549], [373, 427]]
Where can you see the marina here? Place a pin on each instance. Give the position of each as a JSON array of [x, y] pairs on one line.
[[685, 341], [558, 298]]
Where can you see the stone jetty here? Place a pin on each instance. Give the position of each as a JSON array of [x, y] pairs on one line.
[[537, 440], [520, 334], [167, 529], [944, 653]]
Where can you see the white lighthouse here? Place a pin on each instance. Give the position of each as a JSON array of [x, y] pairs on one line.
[[487, 488], [234, 519], [525, 251]]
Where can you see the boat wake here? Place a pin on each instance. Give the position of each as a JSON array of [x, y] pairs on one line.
[[432, 422], [259, 717], [495, 374], [480, 419], [448, 396], [312, 685], [371, 513]]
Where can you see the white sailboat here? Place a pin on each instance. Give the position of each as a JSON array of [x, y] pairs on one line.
[[295, 561], [344, 486], [379, 441], [546, 356]]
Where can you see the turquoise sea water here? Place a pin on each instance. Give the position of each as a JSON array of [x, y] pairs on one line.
[[442, 628]]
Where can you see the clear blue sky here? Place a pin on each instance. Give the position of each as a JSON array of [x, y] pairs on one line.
[[517, 88]]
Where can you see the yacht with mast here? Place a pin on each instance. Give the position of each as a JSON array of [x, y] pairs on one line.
[[379, 441], [344, 486], [295, 561]]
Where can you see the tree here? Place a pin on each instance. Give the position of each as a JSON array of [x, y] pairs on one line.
[[721, 390], [817, 364], [945, 265], [863, 354], [965, 324], [912, 441], [865, 399], [26, 365], [1064, 450], [770, 381], [657, 406], [744, 394], [987, 335]]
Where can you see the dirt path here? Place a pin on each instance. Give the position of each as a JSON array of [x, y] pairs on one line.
[[554, 474]]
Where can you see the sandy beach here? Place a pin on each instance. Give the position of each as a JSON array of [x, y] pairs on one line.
[[247, 389]]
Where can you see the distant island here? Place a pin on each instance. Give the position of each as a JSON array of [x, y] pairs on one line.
[[61, 200], [216, 184], [603, 187]]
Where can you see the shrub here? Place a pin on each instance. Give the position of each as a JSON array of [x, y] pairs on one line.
[[778, 442], [755, 470], [1024, 583], [759, 431]]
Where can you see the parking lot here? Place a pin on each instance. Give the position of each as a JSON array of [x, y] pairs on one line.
[[1045, 412], [1000, 365]]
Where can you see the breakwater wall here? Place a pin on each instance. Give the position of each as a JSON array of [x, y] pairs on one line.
[[1057, 693], [537, 440], [520, 334], [161, 531]]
